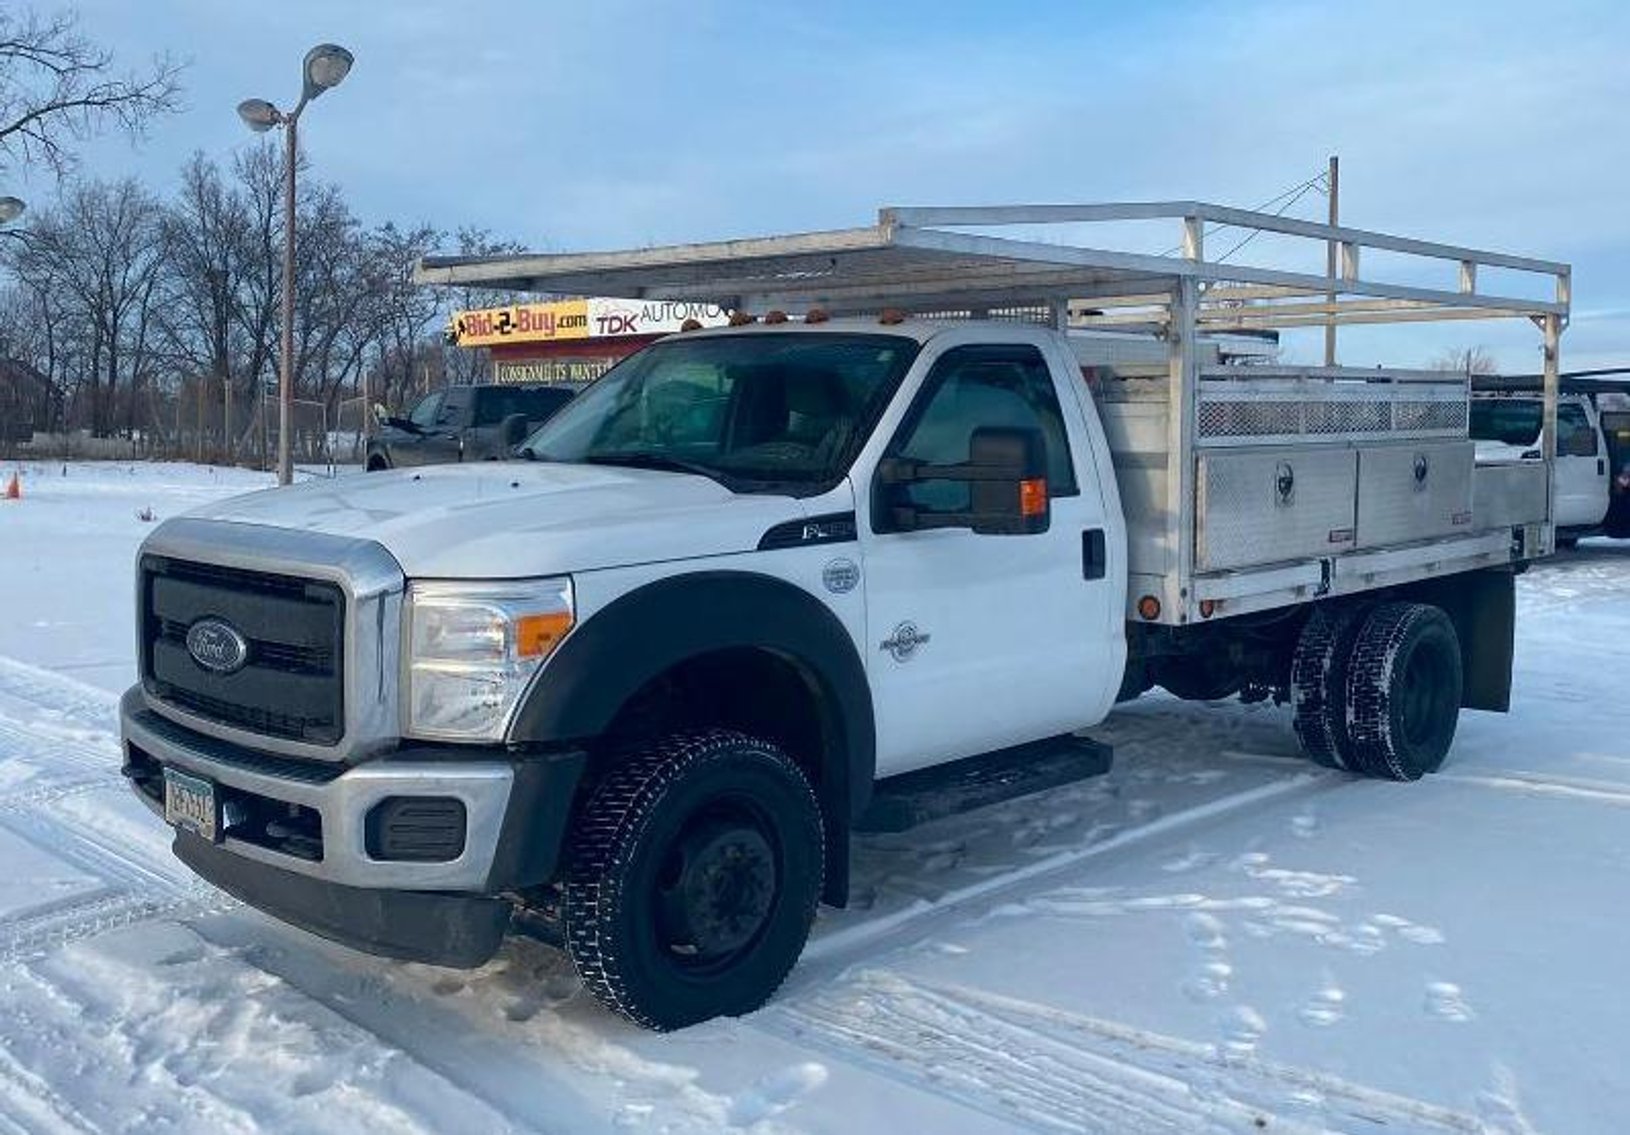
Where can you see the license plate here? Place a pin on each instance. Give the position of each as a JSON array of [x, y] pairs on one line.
[[189, 802]]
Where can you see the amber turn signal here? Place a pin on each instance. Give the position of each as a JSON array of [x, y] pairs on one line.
[[537, 635], [1033, 497], [1149, 608]]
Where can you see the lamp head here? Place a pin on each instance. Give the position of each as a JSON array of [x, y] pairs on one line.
[[259, 115], [327, 65]]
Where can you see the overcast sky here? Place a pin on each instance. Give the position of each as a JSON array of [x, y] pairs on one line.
[[603, 123]]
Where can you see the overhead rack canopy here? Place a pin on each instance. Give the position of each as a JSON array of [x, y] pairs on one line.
[[928, 261]]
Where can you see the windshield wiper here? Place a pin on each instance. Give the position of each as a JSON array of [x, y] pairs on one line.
[[639, 459]]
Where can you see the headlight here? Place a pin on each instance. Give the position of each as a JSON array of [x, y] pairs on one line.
[[472, 648]]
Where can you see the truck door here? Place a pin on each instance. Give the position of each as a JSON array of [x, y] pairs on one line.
[[978, 642], [1616, 431], [443, 443], [1581, 467]]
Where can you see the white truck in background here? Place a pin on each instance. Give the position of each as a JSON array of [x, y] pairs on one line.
[[826, 570], [1506, 427]]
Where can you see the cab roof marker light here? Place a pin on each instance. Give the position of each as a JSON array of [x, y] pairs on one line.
[[891, 316], [742, 319], [775, 317], [691, 325], [816, 315]]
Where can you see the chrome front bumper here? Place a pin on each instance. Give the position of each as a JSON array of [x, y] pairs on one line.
[[343, 799]]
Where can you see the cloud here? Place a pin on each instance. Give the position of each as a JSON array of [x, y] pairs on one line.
[[615, 123]]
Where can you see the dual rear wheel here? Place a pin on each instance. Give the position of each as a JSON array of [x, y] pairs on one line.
[[1376, 688]]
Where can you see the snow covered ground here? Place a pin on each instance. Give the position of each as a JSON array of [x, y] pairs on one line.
[[1216, 937]]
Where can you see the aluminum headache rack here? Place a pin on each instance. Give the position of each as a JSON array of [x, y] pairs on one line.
[[956, 262]]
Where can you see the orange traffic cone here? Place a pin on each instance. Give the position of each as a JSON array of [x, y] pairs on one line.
[[14, 489]]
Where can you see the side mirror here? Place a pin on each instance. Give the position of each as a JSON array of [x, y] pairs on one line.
[[1006, 475], [381, 415], [512, 430]]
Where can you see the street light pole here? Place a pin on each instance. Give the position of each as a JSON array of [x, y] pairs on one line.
[[285, 395], [326, 66]]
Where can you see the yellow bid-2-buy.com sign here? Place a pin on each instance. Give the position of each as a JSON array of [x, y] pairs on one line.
[[521, 323], [593, 318]]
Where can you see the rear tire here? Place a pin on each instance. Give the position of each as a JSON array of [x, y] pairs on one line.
[[695, 870], [1403, 691], [1318, 683]]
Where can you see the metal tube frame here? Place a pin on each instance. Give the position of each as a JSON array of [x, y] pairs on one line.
[[925, 259]]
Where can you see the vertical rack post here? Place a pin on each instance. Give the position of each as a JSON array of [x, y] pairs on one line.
[[1183, 393], [1330, 261], [1551, 327]]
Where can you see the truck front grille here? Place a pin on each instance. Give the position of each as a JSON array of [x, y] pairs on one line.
[[292, 684]]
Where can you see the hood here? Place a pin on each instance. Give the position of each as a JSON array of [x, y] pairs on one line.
[[512, 520]]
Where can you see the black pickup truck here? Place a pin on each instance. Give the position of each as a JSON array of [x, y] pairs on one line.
[[463, 423]]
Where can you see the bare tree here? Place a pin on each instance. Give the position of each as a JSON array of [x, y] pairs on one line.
[[103, 245], [57, 88], [145, 316], [1471, 360]]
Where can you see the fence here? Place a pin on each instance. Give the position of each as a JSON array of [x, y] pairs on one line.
[[202, 423]]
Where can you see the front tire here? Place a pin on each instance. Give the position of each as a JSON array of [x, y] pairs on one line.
[[695, 870], [1403, 691]]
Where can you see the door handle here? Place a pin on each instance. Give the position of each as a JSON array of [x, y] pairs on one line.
[[1094, 554], [1601, 467]]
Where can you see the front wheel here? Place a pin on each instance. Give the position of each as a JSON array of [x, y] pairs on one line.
[[695, 870]]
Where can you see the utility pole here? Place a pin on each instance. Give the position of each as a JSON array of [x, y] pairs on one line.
[[1334, 177]]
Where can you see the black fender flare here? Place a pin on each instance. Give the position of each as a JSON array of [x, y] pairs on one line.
[[639, 636]]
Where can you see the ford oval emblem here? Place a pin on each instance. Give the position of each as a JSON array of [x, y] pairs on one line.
[[217, 645]]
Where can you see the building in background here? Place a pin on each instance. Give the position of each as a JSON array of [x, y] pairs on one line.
[[572, 342]]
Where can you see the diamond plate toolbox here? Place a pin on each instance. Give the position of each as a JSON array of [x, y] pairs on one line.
[[1268, 506], [1409, 492]]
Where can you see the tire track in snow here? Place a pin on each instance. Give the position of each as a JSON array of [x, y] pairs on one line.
[[74, 752], [1537, 784], [79, 701], [47, 745], [830, 953], [1050, 1069], [96, 913], [28, 1106]]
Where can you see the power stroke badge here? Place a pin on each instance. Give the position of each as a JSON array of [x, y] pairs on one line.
[[904, 642]]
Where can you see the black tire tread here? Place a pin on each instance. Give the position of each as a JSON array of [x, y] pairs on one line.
[[1370, 683], [1318, 683], [606, 836]]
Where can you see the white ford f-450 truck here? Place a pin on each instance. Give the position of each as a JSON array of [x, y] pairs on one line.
[[830, 569]]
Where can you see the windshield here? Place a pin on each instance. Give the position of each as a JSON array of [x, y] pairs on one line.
[[1518, 422], [757, 412]]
